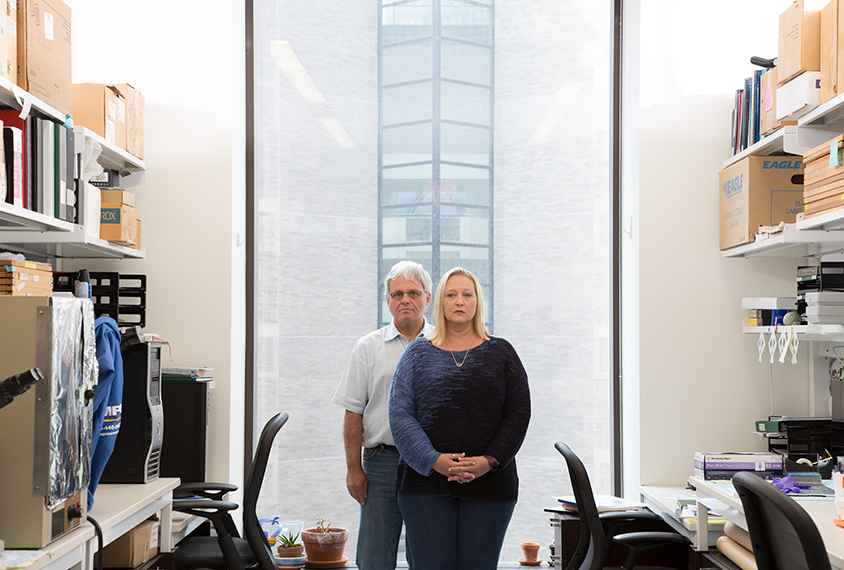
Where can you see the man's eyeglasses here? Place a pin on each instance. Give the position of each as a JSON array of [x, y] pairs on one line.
[[399, 295]]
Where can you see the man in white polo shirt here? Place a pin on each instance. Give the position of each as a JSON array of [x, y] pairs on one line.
[[364, 392]]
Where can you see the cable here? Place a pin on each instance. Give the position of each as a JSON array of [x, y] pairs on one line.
[[77, 513], [99, 532], [771, 376]]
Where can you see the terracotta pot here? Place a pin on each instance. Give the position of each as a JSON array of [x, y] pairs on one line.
[[530, 550], [325, 546], [290, 551]]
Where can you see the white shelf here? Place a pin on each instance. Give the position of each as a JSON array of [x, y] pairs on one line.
[[71, 244], [17, 219], [39, 107], [829, 114], [32, 233], [112, 157], [806, 332], [830, 221], [771, 144], [790, 243]]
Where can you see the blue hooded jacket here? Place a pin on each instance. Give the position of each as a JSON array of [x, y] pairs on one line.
[[108, 399]]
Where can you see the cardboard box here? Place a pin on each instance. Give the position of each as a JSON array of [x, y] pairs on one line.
[[118, 216], [135, 119], [133, 548], [11, 63], [799, 96], [840, 42], [829, 51], [5, 34], [799, 42], [755, 191], [768, 98], [716, 466], [44, 52], [138, 235], [101, 108]]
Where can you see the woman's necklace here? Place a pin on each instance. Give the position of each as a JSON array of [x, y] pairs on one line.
[[464, 356]]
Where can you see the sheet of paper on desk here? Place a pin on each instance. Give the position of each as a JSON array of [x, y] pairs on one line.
[[11, 559], [605, 503]]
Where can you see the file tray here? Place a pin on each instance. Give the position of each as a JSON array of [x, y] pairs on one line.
[[131, 316], [133, 282]]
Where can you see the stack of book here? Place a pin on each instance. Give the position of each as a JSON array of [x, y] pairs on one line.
[[27, 278], [746, 114], [823, 178]]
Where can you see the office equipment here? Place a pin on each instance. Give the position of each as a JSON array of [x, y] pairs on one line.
[[45, 447], [228, 550], [783, 534], [137, 453], [808, 437], [593, 546], [184, 453]]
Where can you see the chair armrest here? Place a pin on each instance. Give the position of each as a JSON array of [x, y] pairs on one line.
[[215, 491], [215, 511], [628, 516], [645, 540], [201, 507]]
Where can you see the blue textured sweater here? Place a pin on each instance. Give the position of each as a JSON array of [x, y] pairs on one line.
[[482, 408]]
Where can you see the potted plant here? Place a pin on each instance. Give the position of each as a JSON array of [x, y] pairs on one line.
[[289, 545], [325, 544]]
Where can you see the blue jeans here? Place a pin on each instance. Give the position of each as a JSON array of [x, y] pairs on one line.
[[451, 533], [380, 519]]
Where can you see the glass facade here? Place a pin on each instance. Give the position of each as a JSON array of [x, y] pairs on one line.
[[380, 129], [435, 182]]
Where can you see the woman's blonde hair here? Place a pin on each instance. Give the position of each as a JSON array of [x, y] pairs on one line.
[[438, 336]]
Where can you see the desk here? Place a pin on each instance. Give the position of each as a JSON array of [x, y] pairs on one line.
[[663, 501], [725, 501], [117, 509]]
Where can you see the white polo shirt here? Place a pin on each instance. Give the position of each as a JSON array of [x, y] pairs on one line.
[[365, 385]]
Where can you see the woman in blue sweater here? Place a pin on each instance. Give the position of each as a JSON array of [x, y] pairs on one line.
[[459, 411]]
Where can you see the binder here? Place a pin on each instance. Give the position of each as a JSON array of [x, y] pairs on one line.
[[13, 155]]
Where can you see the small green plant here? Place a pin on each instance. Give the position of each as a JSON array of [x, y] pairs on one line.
[[289, 540], [323, 525]]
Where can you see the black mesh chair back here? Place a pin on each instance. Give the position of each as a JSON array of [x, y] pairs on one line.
[[228, 550], [783, 534], [251, 527], [592, 546]]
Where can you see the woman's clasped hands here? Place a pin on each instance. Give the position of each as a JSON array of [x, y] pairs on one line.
[[461, 469]]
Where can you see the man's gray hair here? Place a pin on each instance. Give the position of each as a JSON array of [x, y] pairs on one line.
[[411, 271]]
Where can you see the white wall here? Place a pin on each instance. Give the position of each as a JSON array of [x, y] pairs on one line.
[[187, 57], [700, 385]]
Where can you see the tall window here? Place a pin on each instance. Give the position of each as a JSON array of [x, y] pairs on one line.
[[380, 128], [435, 151]]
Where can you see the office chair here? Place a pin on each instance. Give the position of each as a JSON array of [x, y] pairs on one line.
[[228, 550], [594, 546], [784, 536]]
